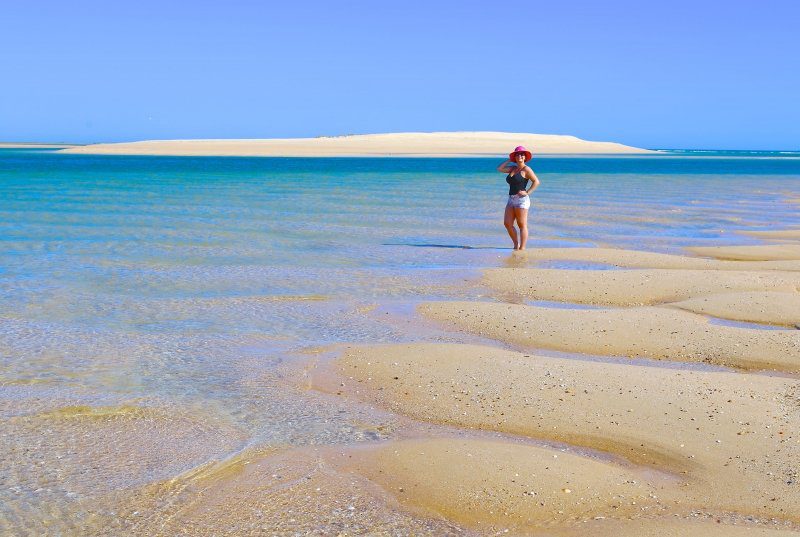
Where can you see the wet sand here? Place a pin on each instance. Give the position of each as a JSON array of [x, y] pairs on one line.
[[496, 485], [771, 252], [640, 449], [645, 260], [681, 528], [633, 287], [281, 491], [793, 234], [724, 442], [639, 332], [492, 438], [769, 308]]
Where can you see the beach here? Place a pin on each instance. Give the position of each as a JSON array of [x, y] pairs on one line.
[[207, 346], [412, 144]]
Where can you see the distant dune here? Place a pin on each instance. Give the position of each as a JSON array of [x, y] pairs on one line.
[[428, 144]]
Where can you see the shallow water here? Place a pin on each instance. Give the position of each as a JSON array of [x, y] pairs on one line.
[[743, 324], [152, 307]]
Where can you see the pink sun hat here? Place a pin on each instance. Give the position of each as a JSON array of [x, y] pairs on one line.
[[520, 149]]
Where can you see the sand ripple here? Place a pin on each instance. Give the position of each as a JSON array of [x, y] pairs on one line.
[[731, 439]]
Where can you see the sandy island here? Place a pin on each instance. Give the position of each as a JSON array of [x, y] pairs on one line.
[[410, 144]]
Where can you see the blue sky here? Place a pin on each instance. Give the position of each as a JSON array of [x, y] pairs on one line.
[[671, 74]]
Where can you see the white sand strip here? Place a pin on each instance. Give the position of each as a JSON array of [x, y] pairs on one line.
[[396, 144]]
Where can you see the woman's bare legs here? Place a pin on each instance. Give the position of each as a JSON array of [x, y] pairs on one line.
[[521, 216], [508, 221]]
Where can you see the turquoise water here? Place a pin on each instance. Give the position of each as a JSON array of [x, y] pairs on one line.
[[188, 285], [197, 248]]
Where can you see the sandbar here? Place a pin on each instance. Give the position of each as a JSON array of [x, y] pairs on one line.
[[793, 234], [755, 307], [643, 332], [391, 144], [765, 252], [670, 527], [730, 439], [633, 287], [497, 485], [641, 259]]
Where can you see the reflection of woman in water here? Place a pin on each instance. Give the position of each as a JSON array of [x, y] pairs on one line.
[[519, 200]]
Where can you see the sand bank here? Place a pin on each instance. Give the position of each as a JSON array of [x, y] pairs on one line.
[[731, 439], [645, 332], [495, 485], [766, 307], [670, 527], [768, 252], [793, 234], [640, 259], [396, 144], [633, 287]]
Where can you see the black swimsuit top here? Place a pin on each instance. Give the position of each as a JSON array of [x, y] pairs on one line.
[[516, 183]]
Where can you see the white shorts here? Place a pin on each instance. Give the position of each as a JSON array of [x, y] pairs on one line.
[[519, 202]]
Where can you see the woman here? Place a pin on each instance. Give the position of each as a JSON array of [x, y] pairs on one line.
[[519, 200]]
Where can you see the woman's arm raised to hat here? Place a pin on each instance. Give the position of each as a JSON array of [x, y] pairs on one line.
[[506, 166]]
